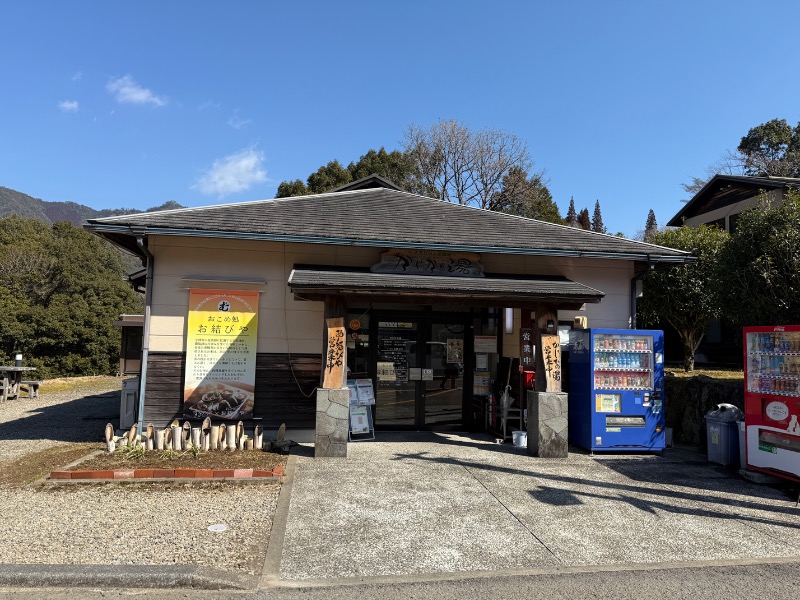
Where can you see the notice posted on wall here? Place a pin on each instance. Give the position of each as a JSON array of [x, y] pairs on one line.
[[486, 344], [481, 383], [386, 371], [455, 350]]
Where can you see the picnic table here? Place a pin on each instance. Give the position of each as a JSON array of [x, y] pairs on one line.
[[12, 381]]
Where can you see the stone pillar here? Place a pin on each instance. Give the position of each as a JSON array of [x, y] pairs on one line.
[[547, 424], [333, 412]]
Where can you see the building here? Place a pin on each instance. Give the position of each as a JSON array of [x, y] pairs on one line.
[[719, 203], [437, 298], [724, 197]]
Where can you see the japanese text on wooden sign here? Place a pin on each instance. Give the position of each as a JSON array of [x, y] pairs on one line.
[[551, 357], [335, 357]]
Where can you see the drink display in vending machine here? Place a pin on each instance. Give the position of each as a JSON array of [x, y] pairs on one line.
[[772, 399], [617, 389]]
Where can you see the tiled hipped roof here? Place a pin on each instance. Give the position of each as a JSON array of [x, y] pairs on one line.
[[382, 218]]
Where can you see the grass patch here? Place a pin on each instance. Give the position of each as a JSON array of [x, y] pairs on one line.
[[168, 459], [69, 384], [721, 374], [34, 466]]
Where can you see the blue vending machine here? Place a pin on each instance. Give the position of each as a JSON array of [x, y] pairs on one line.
[[616, 390]]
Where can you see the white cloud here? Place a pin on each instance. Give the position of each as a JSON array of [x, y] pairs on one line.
[[234, 173], [77, 76], [127, 91], [69, 105], [207, 105], [237, 122]]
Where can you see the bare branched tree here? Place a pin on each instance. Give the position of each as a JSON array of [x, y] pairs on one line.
[[456, 164]]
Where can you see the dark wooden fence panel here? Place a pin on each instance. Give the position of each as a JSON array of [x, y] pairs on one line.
[[280, 395]]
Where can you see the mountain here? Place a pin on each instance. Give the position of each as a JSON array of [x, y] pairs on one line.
[[13, 202]]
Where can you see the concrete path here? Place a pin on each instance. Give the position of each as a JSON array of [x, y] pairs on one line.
[[436, 503]]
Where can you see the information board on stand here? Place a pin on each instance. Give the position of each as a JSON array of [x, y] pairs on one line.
[[362, 397]]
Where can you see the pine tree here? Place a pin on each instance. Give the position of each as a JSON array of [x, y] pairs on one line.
[[572, 216], [597, 219], [651, 227], [584, 222]]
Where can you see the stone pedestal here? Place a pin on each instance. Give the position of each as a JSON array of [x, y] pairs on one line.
[[333, 412], [547, 424]]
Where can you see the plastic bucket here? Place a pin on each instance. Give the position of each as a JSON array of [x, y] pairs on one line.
[[520, 438]]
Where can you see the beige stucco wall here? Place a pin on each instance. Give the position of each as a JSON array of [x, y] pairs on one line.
[[290, 325], [775, 196], [613, 277]]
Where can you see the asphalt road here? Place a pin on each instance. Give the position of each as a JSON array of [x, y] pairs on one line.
[[774, 580]]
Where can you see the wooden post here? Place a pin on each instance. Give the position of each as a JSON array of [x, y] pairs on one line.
[[548, 349]]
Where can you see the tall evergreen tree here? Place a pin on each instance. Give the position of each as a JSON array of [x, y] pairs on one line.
[[62, 289], [291, 188], [584, 222], [597, 219], [572, 216], [650, 227], [525, 196], [328, 177]]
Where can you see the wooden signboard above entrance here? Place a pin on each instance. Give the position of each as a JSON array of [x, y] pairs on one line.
[[335, 355], [429, 262]]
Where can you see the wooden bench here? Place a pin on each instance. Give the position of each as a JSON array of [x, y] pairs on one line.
[[32, 387]]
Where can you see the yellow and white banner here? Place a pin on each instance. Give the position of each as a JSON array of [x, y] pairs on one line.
[[221, 338]]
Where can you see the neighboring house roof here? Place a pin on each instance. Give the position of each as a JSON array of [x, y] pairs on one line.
[[370, 181], [726, 190], [379, 217]]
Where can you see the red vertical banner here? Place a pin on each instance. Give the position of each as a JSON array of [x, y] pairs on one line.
[[221, 339]]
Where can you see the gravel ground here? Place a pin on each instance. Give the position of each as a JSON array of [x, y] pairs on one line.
[[135, 524]]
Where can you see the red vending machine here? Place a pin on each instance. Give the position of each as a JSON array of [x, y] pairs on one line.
[[772, 399]]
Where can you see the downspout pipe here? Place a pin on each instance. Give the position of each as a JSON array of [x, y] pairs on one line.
[[141, 241], [634, 282]]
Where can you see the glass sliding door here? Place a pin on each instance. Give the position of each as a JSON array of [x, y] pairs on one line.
[[419, 368], [443, 397], [396, 393]]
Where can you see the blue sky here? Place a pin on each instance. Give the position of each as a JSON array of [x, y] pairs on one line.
[[116, 104]]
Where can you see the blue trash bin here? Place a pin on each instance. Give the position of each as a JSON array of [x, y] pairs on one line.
[[722, 430]]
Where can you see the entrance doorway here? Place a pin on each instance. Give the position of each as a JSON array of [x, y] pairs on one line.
[[422, 378]]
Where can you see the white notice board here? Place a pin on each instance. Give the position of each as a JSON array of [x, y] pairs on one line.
[[485, 344], [366, 395], [359, 421], [361, 426]]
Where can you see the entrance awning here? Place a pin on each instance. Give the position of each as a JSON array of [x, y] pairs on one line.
[[506, 291]]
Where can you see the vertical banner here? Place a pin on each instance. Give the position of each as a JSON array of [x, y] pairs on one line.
[[551, 356], [526, 349], [221, 339], [335, 376]]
